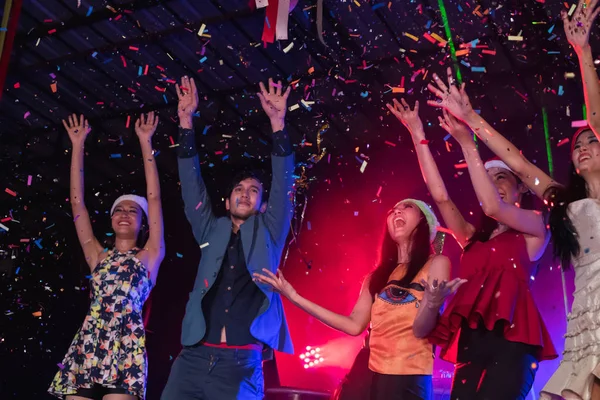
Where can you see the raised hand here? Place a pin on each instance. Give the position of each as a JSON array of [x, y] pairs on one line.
[[277, 282], [577, 28], [77, 129], [450, 97], [456, 128], [274, 102], [436, 293], [188, 101], [410, 118], [146, 125]]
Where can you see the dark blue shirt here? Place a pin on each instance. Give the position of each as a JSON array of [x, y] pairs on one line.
[[233, 301]]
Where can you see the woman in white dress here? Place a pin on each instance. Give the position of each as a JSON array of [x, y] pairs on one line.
[[574, 216]]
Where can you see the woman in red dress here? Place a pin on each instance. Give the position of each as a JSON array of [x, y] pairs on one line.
[[491, 330]]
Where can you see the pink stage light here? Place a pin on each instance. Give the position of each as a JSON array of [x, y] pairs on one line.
[[311, 357]]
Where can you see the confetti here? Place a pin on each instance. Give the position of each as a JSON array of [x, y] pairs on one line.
[[288, 47], [363, 166], [413, 37], [203, 245]]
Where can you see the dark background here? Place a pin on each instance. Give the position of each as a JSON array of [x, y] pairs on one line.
[[95, 62]]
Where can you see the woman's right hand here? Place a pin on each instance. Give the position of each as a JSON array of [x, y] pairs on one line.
[[77, 129], [410, 118], [578, 27], [458, 129], [277, 282]]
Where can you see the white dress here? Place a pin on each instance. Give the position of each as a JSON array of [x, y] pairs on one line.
[[580, 365]]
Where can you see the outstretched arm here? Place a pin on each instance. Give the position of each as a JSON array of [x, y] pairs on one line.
[[353, 324], [145, 128], [577, 30], [526, 221], [456, 102], [195, 197], [437, 289], [461, 229], [277, 217], [78, 129]]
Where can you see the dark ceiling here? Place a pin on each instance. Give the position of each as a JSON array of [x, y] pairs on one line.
[[113, 60]]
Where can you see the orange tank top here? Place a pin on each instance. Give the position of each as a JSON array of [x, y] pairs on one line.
[[394, 348]]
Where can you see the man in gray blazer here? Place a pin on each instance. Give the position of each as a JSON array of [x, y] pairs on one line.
[[230, 319]]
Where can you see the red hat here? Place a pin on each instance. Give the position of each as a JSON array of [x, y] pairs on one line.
[[576, 135]]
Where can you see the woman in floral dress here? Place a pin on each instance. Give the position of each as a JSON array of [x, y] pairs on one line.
[[108, 354]]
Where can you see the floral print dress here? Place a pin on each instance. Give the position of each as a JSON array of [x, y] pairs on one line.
[[109, 349]]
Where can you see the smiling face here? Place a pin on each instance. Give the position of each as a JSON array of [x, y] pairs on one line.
[[245, 199], [508, 187], [586, 153], [127, 219], [402, 221]]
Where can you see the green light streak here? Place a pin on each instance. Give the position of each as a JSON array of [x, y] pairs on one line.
[[449, 37], [584, 112], [548, 148]]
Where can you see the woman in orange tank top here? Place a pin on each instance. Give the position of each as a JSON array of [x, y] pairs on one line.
[[401, 299]]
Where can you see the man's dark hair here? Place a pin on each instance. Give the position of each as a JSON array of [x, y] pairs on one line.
[[250, 174]]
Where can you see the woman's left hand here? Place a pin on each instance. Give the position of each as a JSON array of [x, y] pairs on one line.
[[436, 294], [146, 125], [451, 97]]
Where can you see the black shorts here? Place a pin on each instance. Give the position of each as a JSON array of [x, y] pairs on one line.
[[98, 392]]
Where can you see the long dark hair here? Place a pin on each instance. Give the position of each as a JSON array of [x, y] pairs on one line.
[[486, 224], [564, 235], [388, 257]]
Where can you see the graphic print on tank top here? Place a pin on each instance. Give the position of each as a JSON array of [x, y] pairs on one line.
[[395, 350], [394, 294]]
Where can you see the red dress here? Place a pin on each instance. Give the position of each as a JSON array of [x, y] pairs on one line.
[[498, 273]]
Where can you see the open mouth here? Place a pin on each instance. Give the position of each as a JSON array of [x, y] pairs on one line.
[[584, 157], [124, 223], [399, 222], [244, 203]]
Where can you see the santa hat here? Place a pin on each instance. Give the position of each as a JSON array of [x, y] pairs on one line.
[[425, 208], [576, 135], [496, 162], [139, 200]]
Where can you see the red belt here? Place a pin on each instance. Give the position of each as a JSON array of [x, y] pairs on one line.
[[256, 346]]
